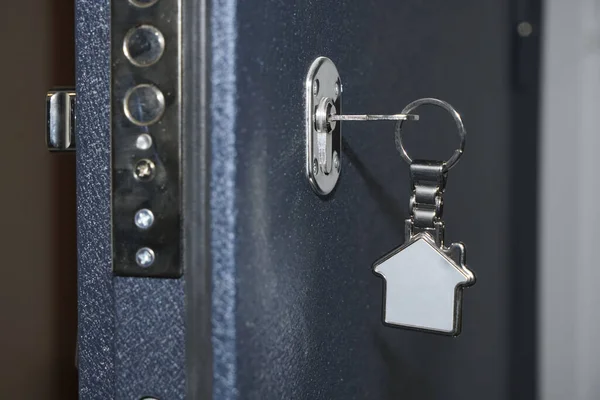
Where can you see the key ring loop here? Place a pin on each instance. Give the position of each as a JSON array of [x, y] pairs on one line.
[[457, 119]]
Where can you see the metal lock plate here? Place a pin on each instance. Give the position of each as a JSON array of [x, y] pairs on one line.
[[323, 137], [146, 138]]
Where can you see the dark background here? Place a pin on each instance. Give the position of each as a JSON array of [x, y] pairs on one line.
[[38, 307]]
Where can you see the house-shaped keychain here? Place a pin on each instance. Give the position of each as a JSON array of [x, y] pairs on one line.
[[424, 279], [423, 285]]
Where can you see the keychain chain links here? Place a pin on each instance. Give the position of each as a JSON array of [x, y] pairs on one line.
[[428, 182], [428, 178]]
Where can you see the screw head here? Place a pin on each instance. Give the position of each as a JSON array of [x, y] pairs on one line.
[[144, 257], [144, 218], [524, 29], [315, 87], [143, 142], [336, 161], [315, 167], [144, 170]]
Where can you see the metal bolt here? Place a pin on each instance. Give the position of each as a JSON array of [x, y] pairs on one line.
[[144, 257], [60, 118], [524, 29], [144, 104], [336, 161], [144, 218], [143, 45], [315, 87], [337, 88], [144, 170], [143, 142], [143, 3], [315, 167]]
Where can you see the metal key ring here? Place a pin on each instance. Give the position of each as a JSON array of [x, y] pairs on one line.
[[459, 124]]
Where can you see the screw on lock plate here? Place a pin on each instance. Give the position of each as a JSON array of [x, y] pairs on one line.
[[323, 125]]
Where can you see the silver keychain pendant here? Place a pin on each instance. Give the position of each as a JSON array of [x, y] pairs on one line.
[[424, 278]]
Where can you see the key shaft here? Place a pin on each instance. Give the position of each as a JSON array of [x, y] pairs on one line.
[[374, 117]]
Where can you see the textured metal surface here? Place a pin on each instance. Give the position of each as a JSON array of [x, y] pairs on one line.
[[96, 319], [307, 310], [224, 204], [120, 319], [149, 338]]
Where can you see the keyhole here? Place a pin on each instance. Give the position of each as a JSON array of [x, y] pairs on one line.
[[324, 128]]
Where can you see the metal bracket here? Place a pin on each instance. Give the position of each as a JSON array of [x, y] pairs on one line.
[[146, 137]]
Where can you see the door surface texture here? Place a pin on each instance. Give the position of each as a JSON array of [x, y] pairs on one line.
[[278, 299]]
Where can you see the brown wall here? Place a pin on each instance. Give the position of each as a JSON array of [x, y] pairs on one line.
[[37, 205]]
